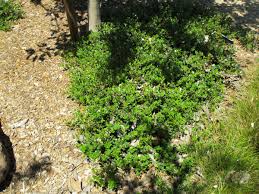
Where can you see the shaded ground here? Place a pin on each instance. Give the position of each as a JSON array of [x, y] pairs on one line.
[[33, 102], [244, 12]]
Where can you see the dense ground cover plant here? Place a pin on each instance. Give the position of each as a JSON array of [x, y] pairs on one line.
[[140, 80], [9, 11]]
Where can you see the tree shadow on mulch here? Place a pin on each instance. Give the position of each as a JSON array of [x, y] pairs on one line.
[[245, 14], [32, 171], [59, 32]]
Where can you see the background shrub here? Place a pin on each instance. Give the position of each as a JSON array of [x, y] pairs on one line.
[[9, 11]]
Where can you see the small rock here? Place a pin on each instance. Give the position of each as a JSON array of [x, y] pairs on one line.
[[202, 126], [196, 117], [88, 172], [238, 177], [74, 186], [87, 189], [175, 142], [87, 185], [134, 125], [20, 124], [81, 138], [181, 157], [152, 158], [134, 143], [206, 39], [245, 178]]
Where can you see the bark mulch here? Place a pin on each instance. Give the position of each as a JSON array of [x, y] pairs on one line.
[[34, 105]]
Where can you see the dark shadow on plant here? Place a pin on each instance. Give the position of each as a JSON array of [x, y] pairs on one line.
[[121, 47], [142, 11], [128, 182], [120, 11], [183, 11]]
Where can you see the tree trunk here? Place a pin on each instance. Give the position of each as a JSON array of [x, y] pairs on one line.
[[94, 17], [4, 163], [71, 18]]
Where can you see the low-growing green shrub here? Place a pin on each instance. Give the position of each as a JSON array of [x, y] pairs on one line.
[[140, 83], [9, 11]]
